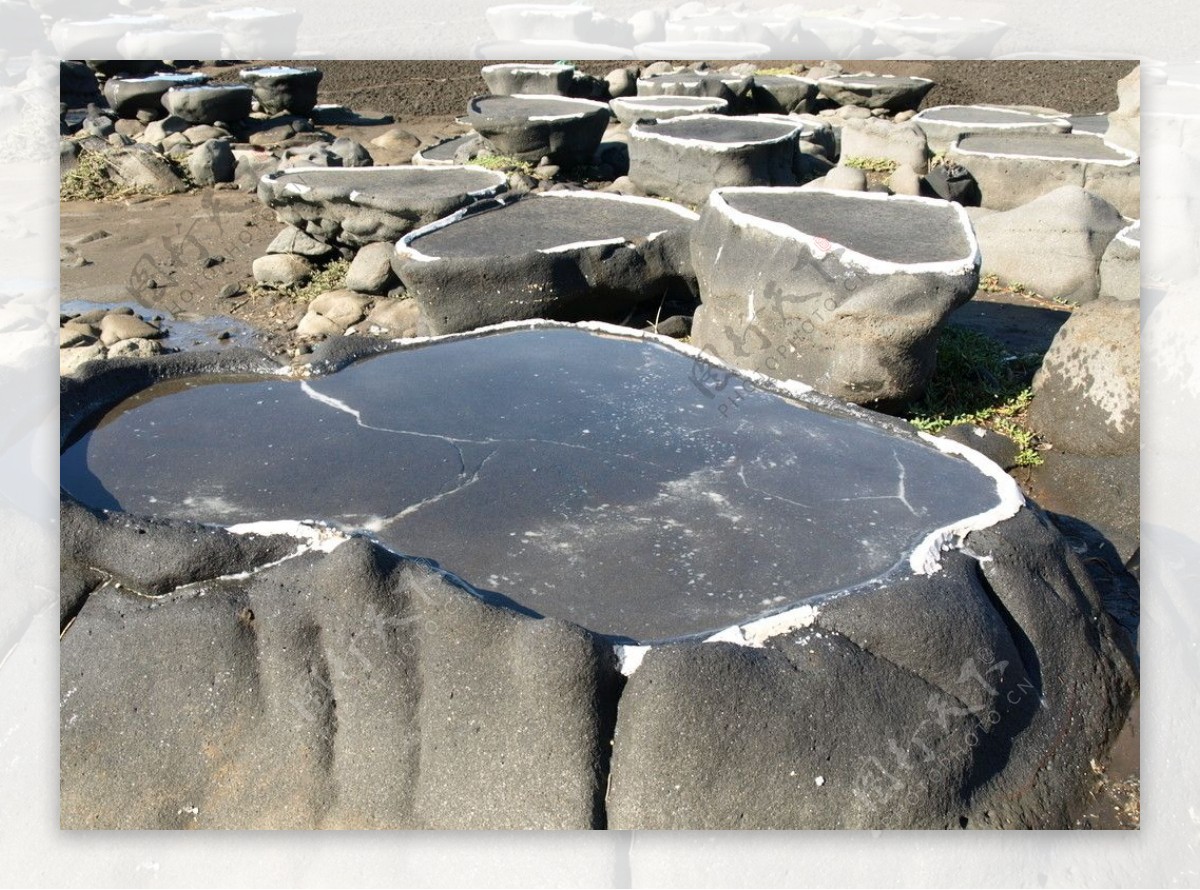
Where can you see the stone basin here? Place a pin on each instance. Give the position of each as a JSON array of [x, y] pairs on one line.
[[890, 91], [509, 78], [530, 127], [631, 109], [734, 90], [685, 158], [783, 93], [353, 206], [584, 502], [845, 291], [946, 123], [564, 254], [280, 88], [1016, 168], [837, 591], [442, 154], [129, 95], [209, 103]]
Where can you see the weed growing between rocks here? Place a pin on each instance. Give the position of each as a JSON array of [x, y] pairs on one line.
[[978, 382], [502, 163], [331, 276], [88, 180], [872, 165]]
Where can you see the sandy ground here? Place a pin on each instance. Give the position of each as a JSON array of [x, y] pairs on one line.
[[199, 245]]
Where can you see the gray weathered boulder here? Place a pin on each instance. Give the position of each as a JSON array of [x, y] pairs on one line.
[[370, 271], [282, 270], [1013, 169], [685, 158], [510, 78], [530, 127], [1124, 124], [209, 103], [353, 206], [873, 138], [558, 254], [1086, 394], [1052, 245], [944, 124], [876, 91], [1121, 265], [734, 89], [282, 88], [212, 162], [783, 93], [140, 168], [297, 241], [843, 291]]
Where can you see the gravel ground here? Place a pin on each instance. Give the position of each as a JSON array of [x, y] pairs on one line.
[[408, 89]]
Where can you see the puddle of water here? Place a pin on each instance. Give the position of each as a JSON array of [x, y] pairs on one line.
[[586, 477], [188, 333]]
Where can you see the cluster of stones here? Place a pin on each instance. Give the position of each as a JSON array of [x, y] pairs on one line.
[[826, 249], [105, 333]]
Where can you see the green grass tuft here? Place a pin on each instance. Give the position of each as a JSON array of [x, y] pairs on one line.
[[503, 163], [977, 381], [871, 165]]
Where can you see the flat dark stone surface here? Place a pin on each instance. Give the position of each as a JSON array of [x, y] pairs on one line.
[[973, 114], [698, 102], [409, 182], [718, 129], [896, 231], [514, 108], [540, 223], [586, 477], [444, 150], [1046, 145]]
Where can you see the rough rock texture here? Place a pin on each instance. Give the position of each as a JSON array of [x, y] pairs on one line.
[[212, 162], [129, 95], [734, 89], [1086, 395], [686, 158], [140, 168], [511, 78], [983, 709], [1052, 245], [529, 127], [282, 270], [656, 108], [845, 292], [370, 271], [944, 124], [1015, 169], [395, 318], [782, 93], [293, 240], [1121, 265], [324, 683], [843, 179], [878, 139], [565, 255], [284, 89], [356, 206], [208, 104], [1124, 124], [953, 182], [877, 91]]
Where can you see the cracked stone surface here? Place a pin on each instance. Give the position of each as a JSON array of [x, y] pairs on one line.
[[353, 206], [568, 255], [1015, 168], [623, 502], [323, 681]]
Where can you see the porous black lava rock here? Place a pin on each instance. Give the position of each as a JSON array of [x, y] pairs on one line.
[[282, 88], [129, 95], [209, 103], [531, 127]]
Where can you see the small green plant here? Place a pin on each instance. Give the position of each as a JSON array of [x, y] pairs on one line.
[[331, 277], [871, 165], [89, 180], [771, 72], [977, 381], [502, 163]]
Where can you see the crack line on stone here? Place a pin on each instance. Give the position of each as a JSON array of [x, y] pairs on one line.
[[901, 494], [441, 495]]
